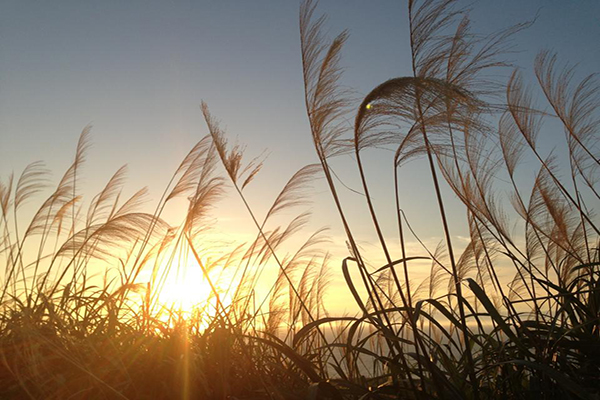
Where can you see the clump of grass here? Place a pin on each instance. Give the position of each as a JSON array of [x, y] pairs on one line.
[[498, 339], [82, 314], [466, 331]]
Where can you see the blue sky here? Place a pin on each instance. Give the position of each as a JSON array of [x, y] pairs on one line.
[[138, 70]]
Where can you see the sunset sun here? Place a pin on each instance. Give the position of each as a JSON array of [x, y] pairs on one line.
[[186, 290]]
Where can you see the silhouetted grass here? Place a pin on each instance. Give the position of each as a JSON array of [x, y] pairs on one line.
[[463, 332]]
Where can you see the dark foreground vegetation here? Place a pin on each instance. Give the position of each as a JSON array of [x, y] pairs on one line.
[[465, 332]]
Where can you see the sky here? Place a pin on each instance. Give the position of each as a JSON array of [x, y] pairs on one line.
[[138, 70]]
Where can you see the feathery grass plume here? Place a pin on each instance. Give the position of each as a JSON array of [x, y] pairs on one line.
[[326, 103], [517, 96], [32, 181], [131, 204], [511, 143], [484, 163], [294, 193], [427, 20], [209, 188], [5, 196], [190, 169], [100, 240], [103, 204], [577, 108], [524, 115], [65, 190], [552, 216], [388, 115], [232, 157], [518, 128], [575, 105], [444, 47]]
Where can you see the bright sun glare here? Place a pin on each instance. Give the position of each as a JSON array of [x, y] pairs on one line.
[[186, 290]]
